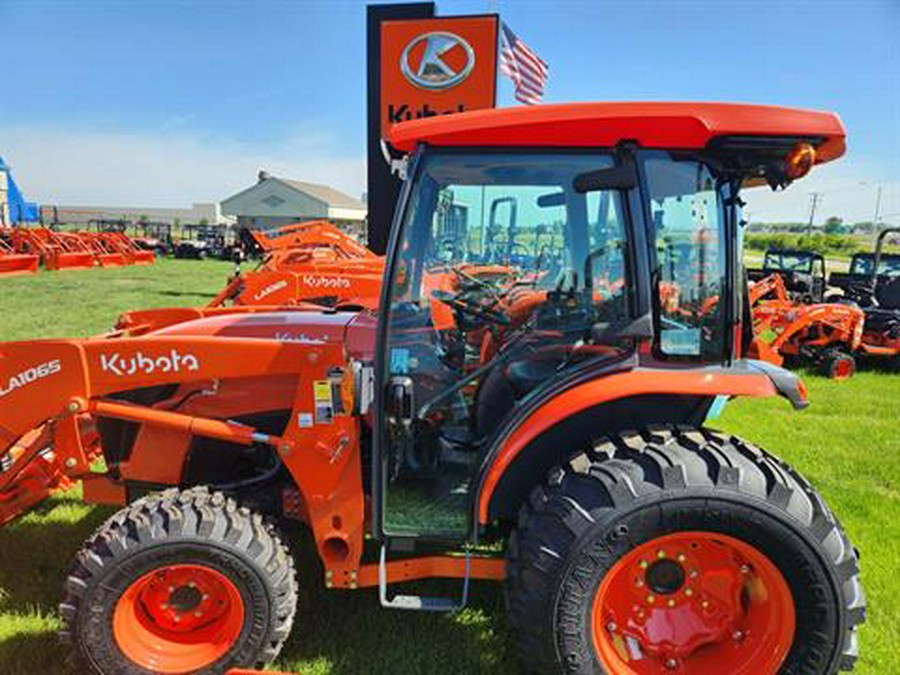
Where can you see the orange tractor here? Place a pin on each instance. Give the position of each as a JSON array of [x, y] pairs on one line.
[[824, 334], [550, 434]]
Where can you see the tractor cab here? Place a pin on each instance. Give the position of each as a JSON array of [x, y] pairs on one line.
[[803, 272], [534, 249]]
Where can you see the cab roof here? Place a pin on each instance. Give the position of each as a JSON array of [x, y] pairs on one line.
[[651, 124]]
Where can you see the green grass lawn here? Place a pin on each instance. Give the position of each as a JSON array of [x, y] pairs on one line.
[[846, 443]]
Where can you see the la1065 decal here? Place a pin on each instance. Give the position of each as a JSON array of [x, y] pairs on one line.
[[30, 376]]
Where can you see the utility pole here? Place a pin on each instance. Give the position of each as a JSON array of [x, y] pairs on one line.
[[815, 198], [875, 227]]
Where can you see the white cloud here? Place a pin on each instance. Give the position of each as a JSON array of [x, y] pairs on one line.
[[847, 187], [64, 166]]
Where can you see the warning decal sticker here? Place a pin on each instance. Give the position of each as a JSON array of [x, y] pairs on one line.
[[324, 403]]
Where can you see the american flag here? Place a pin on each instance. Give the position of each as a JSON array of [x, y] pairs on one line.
[[522, 66]]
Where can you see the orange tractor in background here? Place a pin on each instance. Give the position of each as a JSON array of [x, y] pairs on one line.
[[546, 428], [824, 334]]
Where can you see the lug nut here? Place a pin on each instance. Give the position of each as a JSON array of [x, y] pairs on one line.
[[651, 599], [745, 569], [738, 636], [671, 664], [671, 603], [688, 592], [611, 627]]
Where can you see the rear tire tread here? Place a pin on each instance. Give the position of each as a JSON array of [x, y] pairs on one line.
[[620, 469]]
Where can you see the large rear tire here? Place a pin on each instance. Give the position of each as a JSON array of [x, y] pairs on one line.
[[180, 582], [684, 552]]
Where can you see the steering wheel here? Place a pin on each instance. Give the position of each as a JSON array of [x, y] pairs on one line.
[[471, 308], [464, 277]]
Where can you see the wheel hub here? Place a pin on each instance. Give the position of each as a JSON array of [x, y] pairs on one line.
[[693, 601], [185, 599], [178, 618], [665, 576]]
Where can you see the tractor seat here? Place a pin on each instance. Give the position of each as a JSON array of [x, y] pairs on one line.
[[527, 374], [883, 321], [460, 436], [505, 385], [888, 294]]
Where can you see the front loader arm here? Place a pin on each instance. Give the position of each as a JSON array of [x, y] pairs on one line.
[[48, 380]]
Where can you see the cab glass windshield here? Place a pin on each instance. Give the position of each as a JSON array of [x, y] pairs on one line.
[[503, 280]]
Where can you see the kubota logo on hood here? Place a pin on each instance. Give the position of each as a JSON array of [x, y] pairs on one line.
[[173, 362], [30, 376]]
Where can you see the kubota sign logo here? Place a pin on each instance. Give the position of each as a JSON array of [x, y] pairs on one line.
[[437, 60], [30, 376], [173, 362], [436, 66]]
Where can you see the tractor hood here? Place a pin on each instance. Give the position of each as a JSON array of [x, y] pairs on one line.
[[354, 330]]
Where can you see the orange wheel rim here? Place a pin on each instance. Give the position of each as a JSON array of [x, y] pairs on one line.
[[842, 369], [693, 602], [179, 618]]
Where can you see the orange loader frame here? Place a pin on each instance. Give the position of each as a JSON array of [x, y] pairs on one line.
[[56, 250], [15, 264]]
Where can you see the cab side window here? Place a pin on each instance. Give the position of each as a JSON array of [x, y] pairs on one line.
[[688, 221]]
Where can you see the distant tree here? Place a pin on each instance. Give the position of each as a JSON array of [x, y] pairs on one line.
[[834, 225], [204, 221], [863, 227], [143, 219]]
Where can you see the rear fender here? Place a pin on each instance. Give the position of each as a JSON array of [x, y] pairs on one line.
[[744, 378]]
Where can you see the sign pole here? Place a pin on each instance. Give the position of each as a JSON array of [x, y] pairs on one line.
[[383, 188]]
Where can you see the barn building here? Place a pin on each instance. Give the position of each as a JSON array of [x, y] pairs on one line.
[[275, 201]]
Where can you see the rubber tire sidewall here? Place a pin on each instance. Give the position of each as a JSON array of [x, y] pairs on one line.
[[815, 588], [95, 633]]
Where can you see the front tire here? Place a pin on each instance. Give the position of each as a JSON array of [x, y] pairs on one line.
[[838, 365], [614, 557], [180, 582]]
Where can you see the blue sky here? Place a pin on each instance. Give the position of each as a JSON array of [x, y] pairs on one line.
[[145, 103]]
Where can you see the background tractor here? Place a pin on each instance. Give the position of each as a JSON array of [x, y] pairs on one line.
[[542, 426]]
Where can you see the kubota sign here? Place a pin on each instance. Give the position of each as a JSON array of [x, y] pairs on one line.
[[437, 66]]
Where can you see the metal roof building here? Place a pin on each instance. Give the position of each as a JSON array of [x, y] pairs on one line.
[[275, 201]]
